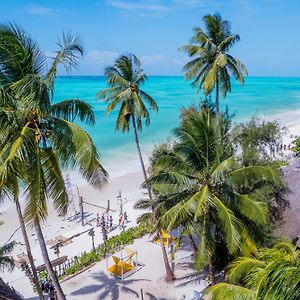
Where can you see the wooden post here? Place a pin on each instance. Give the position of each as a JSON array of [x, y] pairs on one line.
[[142, 294], [81, 210], [108, 205]]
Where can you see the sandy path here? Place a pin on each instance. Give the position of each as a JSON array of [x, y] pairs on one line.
[[54, 226], [291, 226], [97, 283]]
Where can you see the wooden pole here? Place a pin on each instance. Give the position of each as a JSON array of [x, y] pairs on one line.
[[108, 205], [81, 210]]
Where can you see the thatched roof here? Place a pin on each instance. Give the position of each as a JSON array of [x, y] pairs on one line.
[[6, 293]]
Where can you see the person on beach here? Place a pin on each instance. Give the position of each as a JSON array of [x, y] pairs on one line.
[[103, 221], [123, 224], [120, 222], [107, 221], [125, 217], [98, 220], [110, 222]]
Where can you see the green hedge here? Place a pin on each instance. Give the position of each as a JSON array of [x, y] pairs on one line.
[[113, 244]]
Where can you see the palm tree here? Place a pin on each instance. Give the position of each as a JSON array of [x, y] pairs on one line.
[[39, 138], [156, 208], [125, 78], [9, 188], [211, 65], [273, 274], [201, 183]]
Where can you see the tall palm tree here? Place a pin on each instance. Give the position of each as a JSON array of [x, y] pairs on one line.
[[124, 79], [212, 65], [10, 189], [273, 274], [201, 183], [40, 136]]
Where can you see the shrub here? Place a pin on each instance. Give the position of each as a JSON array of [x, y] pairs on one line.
[[112, 245]]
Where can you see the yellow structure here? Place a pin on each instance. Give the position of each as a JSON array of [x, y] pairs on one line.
[[167, 239], [123, 266]]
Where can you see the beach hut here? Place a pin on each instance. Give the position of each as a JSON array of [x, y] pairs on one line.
[[123, 265]]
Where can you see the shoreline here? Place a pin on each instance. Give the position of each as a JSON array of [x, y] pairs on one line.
[[129, 184]]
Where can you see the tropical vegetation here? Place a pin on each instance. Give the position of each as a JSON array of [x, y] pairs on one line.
[[212, 65], [7, 263], [206, 189], [218, 185], [38, 137], [272, 274], [125, 78]]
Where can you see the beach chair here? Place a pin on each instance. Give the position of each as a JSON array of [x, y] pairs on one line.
[[120, 267], [124, 266], [167, 239]]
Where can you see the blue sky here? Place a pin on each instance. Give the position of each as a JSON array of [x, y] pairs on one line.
[[154, 29]]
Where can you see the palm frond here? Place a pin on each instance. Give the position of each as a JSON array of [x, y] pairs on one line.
[[69, 53], [230, 291], [74, 108]]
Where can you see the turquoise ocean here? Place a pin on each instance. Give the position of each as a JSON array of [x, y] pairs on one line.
[[261, 96]]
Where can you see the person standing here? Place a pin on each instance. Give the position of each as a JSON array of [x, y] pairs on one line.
[[125, 217], [120, 222], [98, 220], [110, 222]]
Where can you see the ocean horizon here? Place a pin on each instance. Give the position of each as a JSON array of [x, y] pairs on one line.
[[265, 97]]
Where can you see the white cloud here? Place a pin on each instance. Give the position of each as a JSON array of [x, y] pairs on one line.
[[156, 6], [101, 57], [159, 60], [179, 4], [138, 6], [41, 10], [104, 58]]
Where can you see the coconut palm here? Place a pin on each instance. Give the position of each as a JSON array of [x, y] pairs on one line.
[[273, 274], [200, 182], [125, 78], [38, 137], [212, 65]]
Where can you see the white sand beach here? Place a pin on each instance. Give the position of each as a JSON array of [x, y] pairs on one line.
[[55, 226], [96, 283]]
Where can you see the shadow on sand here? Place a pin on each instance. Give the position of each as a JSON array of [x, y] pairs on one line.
[[109, 287]]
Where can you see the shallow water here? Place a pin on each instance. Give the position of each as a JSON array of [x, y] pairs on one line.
[[262, 96]]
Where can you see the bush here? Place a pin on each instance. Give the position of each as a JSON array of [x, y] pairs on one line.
[[112, 245], [88, 258]]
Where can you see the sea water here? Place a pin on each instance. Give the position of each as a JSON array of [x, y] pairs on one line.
[[261, 96]]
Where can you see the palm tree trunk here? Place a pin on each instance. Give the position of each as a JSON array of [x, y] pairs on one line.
[[141, 158], [28, 250], [55, 282], [217, 95], [170, 274], [211, 274]]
